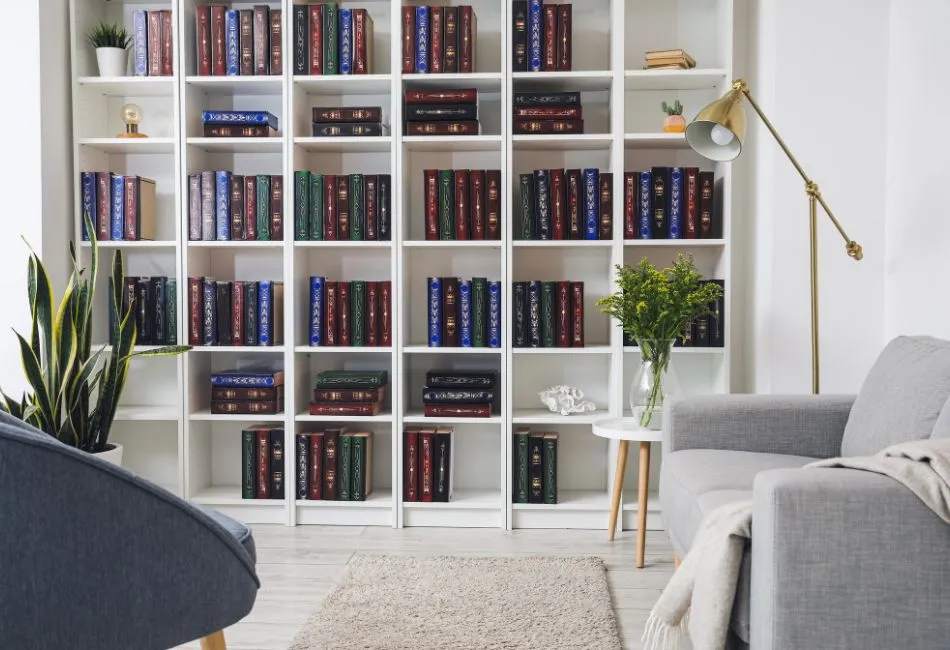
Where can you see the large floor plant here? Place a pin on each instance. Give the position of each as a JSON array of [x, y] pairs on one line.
[[74, 390]]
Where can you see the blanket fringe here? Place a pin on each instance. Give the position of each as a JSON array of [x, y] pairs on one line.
[[660, 635]]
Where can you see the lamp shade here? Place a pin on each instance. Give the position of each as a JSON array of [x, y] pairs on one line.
[[718, 130]]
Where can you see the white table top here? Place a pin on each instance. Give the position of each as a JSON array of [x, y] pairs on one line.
[[625, 429]]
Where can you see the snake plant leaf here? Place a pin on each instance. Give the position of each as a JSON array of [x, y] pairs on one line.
[[42, 309], [34, 375], [11, 406], [164, 351]]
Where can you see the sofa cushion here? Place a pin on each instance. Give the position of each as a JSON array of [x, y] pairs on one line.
[[901, 397], [237, 530], [942, 425]]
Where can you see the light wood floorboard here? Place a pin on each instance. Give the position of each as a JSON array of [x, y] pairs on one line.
[[299, 566]]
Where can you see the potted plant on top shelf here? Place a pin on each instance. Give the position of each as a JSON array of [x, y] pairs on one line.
[[74, 390], [111, 41]]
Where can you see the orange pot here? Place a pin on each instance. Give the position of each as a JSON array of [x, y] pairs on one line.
[[674, 124]]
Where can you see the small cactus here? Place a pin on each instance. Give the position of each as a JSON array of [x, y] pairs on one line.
[[672, 109]]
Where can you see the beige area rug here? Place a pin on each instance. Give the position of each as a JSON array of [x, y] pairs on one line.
[[388, 602]]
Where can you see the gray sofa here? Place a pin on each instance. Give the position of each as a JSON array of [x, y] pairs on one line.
[[839, 559], [93, 557]]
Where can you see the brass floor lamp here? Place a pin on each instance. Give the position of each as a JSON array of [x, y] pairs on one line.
[[717, 133]]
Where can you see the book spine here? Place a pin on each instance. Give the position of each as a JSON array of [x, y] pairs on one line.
[[565, 37], [645, 206], [330, 207], [493, 204], [676, 203], [372, 313], [464, 127], [534, 314], [660, 225], [224, 394], [446, 211], [535, 468], [547, 99], [103, 218], [535, 35], [591, 203], [246, 381], [606, 208], [542, 203], [117, 228], [385, 313], [563, 314], [408, 39], [244, 407], [317, 283], [345, 465], [263, 464], [349, 395], [302, 464], [494, 314], [691, 220], [529, 125], [410, 469], [365, 379], [344, 314], [88, 188], [346, 41], [707, 228], [222, 191], [422, 39], [426, 475], [558, 202], [143, 308], [316, 466], [435, 311], [371, 187], [246, 41], [520, 316], [549, 465], [440, 112], [217, 39], [459, 396], [316, 60], [194, 207], [358, 313], [277, 207], [316, 207], [237, 207], [521, 477], [236, 131], [462, 206], [223, 318], [203, 38], [331, 441], [231, 39], [301, 39], [237, 313], [345, 409], [549, 51], [343, 206], [331, 311], [157, 295], [139, 43], [442, 459], [629, 205], [456, 410], [357, 208], [528, 212], [465, 313], [265, 297], [476, 203], [577, 312], [385, 207], [450, 312], [248, 475], [261, 39], [251, 294], [460, 379], [250, 207], [277, 463], [358, 461], [194, 312], [448, 96], [276, 63], [168, 61], [132, 215], [519, 39], [207, 205], [430, 189], [573, 200], [368, 114], [171, 311], [450, 39], [263, 207], [154, 43], [717, 318], [547, 113], [249, 118], [548, 321], [362, 42], [436, 30], [467, 39]]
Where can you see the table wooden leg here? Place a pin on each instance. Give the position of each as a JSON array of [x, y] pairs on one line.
[[642, 489], [618, 489]]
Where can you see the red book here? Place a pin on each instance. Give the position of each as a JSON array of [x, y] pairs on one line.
[[573, 198], [276, 49], [577, 312], [343, 207], [372, 313], [408, 39], [203, 37], [461, 205], [350, 395], [493, 204], [316, 466], [331, 312], [465, 127], [467, 39], [548, 112], [194, 311], [426, 476], [450, 39], [435, 40], [430, 180], [167, 57], [316, 39], [344, 408], [606, 206], [331, 441], [237, 206], [329, 207], [385, 313], [477, 203], [692, 203], [154, 43], [372, 207], [263, 464], [447, 96], [457, 410], [218, 52], [362, 47], [528, 125], [131, 208], [558, 204], [563, 327], [246, 41], [237, 313], [410, 470], [104, 206], [630, 206], [564, 37], [261, 39], [343, 311], [276, 207], [250, 208], [549, 42]]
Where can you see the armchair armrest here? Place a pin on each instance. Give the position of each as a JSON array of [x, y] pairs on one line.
[[844, 559], [802, 425]]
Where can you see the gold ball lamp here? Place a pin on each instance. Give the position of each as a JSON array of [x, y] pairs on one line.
[[132, 116]]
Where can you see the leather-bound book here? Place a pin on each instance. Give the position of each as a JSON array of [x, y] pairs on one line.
[[330, 207], [450, 312], [218, 52], [521, 483], [245, 407], [157, 310], [629, 205], [519, 297], [154, 44], [445, 96], [476, 203], [237, 207], [363, 42], [460, 379], [302, 465], [430, 181], [564, 37], [316, 466], [372, 313], [606, 206], [251, 313], [358, 313], [548, 112], [343, 207], [442, 464], [410, 471], [480, 312], [276, 63], [519, 35], [563, 325], [203, 38], [248, 463], [548, 315], [359, 114], [343, 312], [536, 468], [250, 207], [316, 63], [357, 208], [349, 395], [549, 465], [691, 213], [717, 319], [332, 336], [194, 311], [558, 204], [463, 127], [577, 311], [549, 46], [435, 40], [301, 39], [468, 28], [224, 313], [426, 476], [542, 203], [462, 205], [385, 313], [574, 198], [384, 203], [534, 314], [528, 126], [493, 203], [661, 181], [709, 226], [331, 440], [372, 207], [408, 23], [168, 61], [450, 39], [345, 466], [263, 483], [362, 460], [529, 228], [246, 41], [237, 313], [277, 207], [227, 394], [457, 410]]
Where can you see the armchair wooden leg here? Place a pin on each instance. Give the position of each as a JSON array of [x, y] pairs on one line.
[[214, 641]]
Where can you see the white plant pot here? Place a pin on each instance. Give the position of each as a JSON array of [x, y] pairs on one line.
[[112, 454], [112, 61]]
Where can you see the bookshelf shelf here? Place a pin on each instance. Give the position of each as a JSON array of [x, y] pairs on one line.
[[655, 141], [208, 416], [568, 142], [562, 243], [131, 244], [416, 417], [461, 499], [573, 80], [695, 79], [236, 243], [230, 495], [356, 419], [253, 349], [345, 243], [358, 84], [425, 349], [675, 243], [130, 145], [470, 243], [348, 144], [307, 349], [378, 499], [452, 143], [588, 349], [544, 416], [237, 145], [571, 500], [484, 82], [237, 85], [128, 86]]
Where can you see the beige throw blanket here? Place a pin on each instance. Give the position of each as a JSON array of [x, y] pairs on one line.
[[698, 600]]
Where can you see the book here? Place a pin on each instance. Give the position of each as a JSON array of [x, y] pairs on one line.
[[548, 320], [346, 40], [465, 313], [317, 297], [203, 38], [450, 39], [246, 41], [456, 379], [345, 409], [494, 314], [519, 35], [140, 66], [237, 314], [534, 314], [709, 226], [344, 315], [356, 114], [457, 396], [248, 463], [263, 469], [535, 35], [660, 203], [362, 42], [350, 395], [222, 214], [606, 207], [527, 125], [717, 319], [528, 207], [535, 468], [331, 38], [450, 312], [237, 131], [263, 204], [408, 49], [315, 43], [349, 129], [520, 316], [385, 313], [565, 39], [462, 205], [276, 63], [468, 28], [577, 311], [261, 39], [240, 118], [444, 96], [456, 410], [251, 311], [272, 394], [591, 196], [479, 301], [563, 315], [493, 204], [117, 211], [410, 470], [140, 208], [558, 99], [426, 475], [331, 327], [436, 54], [276, 207], [542, 203], [357, 379], [265, 300], [442, 465], [231, 48], [331, 441], [316, 466], [244, 407], [358, 313], [345, 466], [520, 476], [574, 203], [675, 209], [301, 38], [361, 458], [223, 319], [422, 39], [435, 312], [549, 467], [372, 314], [302, 465], [154, 48], [549, 38], [384, 207], [237, 207], [171, 311], [462, 127]]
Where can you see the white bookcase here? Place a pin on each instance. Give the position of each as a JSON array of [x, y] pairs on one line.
[[165, 425]]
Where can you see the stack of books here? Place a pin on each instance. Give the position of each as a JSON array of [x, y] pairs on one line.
[[355, 207], [668, 60], [428, 464], [438, 39], [459, 393], [235, 313], [330, 39], [540, 112], [225, 206], [464, 313], [154, 302], [349, 392], [462, 203], [330, 122], [442, 112], [534, 478], [567, 204], [262, 461], [247, 391], [121, 208], [238, 42], [542, 36], [548, 314], [239, 124], [670, 203], [152, 52], [357, 313], [334, 465]]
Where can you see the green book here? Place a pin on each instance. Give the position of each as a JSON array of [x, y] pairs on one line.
[[479, 312], [248, 463], [345, 467], [331, 39], [358, 312], [263, 207], [360, 442], [446, 204], [520, 477], [316, 207], [357, 208], [527, 207], [549, 463], [302, 208], [171, 311], [352, 379], [548, 335]]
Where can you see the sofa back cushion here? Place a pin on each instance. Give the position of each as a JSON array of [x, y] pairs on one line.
[[942, 426], [901, 397]]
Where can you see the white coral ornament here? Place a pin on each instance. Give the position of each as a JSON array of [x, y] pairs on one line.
[[566, 400]]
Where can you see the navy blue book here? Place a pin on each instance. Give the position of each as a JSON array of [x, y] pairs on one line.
[[346, 41], [88, 183], [520, 317], [240, 117], [645, 205], [435, 312], [465, 313], [209, 306], [118, 207], [422, 39], [222, 205], [542, 203], [494, 314], [534, 314], [676, 203], [250, 313], [265, 301], [591, 203], [231, 49], [317, 283], [248, 378], [535, 35]]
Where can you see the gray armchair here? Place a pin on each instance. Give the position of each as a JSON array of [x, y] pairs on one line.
[[93, 557], [839, 559]]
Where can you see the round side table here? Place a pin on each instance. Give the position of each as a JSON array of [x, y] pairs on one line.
[[626, 430]]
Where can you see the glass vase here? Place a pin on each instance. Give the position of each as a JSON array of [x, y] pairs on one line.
[[653, 383]]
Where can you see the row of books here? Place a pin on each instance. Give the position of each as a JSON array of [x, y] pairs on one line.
[[566, 204], [225, 206], [427, 464], [534, 472], [354, 121], [331, 39], [462, 203], [542, 36], [548, 314], [239, 124], [334, 465], [546, 113], [459, 393], [670, 203], [238, 42], [236, 313], [154, 302], [464, 313], [152, 51], [349, 392], [121, 208], [438, 39], [262, 462], [442, 112], [354, 207], [356, 313]]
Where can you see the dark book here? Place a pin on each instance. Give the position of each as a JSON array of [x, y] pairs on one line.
[[237, 313], [534, 314], [494, 314], [467, 30], [357, 208], [195, 315], [521, 482], [519, 35], [245, 407], [237, 207], [430, 190], [469, 127], [542, 203], [385, 313], [168, 59], [456, 410], [345, 466], [629, 205], [446, 204], [361, 461], [560, 100], [261, 39], [558, 200], [316, 52], [343, 207], [476, 203], [140, 208], [371, 186], [549, 465], [460, 379], [350, 395], [436, 53], [250, 377], [549, 40], [717, 318], [248, 463], [157, 313], [345, 409], [263, 471], [331, 441], [316, 217], [347, 114], [450, 39], [700, 333], [644, 208], [527, 125], [442, 464], [372, 313], [250, 208], [316, 466], [277, 207], [410, 469], [457, 396], [246, 41], [564, 37], [301, 39], [348, 129], [344, 316], [528, 207], [302, 465], [434, 311], [574, 197], [408, 23], [493, 204], [332, 309], [355, 379], [302, 207], [709, 226], [520, 314], [450, 312], [358, 313], [462, 205], [171, 311], [548, 112], [691, 202], [251, 313], [271, 394], [606, 205], [223, 303], [362, 42], [563, 315], [441, 112], [144, 304], [238, 131], [218, 52], [384, 207], [331, 39], [660, 226], [577, 314], [203, 38], [329, 207], [426, 476], [276, 63], [548, 318], [445, 96], [536, 468]]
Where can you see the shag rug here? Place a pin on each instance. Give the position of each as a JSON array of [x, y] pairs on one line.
[[389, 602]]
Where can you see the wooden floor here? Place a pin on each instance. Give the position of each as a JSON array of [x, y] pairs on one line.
[[298, 567]]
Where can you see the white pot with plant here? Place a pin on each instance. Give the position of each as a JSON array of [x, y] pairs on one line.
[[111, 41]]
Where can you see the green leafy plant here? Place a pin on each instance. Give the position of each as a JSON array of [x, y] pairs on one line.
[[109, 35], [75, 391], [672, 109]]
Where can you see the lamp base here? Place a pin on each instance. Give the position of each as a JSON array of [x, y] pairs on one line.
[[131, 135]]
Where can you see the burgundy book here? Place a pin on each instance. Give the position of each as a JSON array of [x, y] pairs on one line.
[[131, 208], [548, 112], [362, 45], [372, 313], [372, 207], [563, 306], [316, 39], [606, 206], [237, 131], [549, 41], [246, 41], [527, 125], [476, 203], [408, 39], [331, 312], [467, 127], [331, 442], [450, 312], [462, 206], [706, 226], [316, 466], [564, 37], [426, 476], [237, 206], [218, 52], [450, 39], [410, 470], [343, 207], [245, 407], [350, 395], [430, 180], [691, 220], [329, 207], [276, 48], [577, 314], [342, 408], [447, 96], [104, 206], [203, 38], [194, 311], [154, 43], [493, 204], [435, 40], [274, 394], [167, 56], [263, 463], [558, 204], [385, 313], [277, 207], [237, 313], [343, 312], [331, 114], [630, 205], [250, 208], [261, 39], [573, 198], [467, 31], [457, 410]]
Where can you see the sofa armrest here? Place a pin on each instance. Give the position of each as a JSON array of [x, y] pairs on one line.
[[844, 559], [802, 425]]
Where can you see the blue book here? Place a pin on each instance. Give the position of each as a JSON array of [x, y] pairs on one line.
[[676, 203], [465, 313], [231, 49], [209, 306], [494, 314], [435, 312], [591, 203], [317, 283], [247, 378], [222, 205], [542, 202], [118, 207], [422, 39], [265, 299], [535, 35], [240, 117], [88, 182], [140, 43], [346, 41], [250, 313], [645, 205]]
